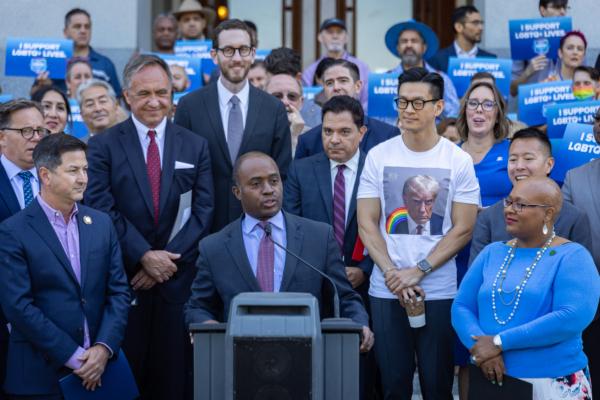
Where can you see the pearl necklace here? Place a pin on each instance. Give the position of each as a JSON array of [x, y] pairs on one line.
[[501, 276]]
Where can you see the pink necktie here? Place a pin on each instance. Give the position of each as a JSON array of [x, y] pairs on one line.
[[153, 169], [339, 206], [266, 261]]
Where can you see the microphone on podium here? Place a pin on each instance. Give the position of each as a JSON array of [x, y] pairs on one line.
[[336, 297]]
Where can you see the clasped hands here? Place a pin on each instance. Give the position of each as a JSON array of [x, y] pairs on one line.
[[94, 361], [158, 266], [487, 356], [403, 283]]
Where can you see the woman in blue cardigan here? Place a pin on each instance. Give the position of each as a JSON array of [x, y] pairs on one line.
[[523, 304]]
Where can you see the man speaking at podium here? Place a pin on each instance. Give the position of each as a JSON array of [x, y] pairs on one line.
[[243, 258]]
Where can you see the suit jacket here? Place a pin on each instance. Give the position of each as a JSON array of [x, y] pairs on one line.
[[224, 271], [581, 189], [45, 303], [490, 227], [266, 130], [118, 185], [308, 194], [436, 223], [310, 143], [440, 60]]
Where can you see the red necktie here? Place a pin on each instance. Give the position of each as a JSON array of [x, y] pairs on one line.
[[266, 262], [153, 168], [339, 206]]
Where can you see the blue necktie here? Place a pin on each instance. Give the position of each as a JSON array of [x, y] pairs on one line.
[[27, 189]]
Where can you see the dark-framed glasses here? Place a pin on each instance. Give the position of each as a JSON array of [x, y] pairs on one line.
[[417, 104], [229, 51], [518, 206], [28, 132], [486, 105]]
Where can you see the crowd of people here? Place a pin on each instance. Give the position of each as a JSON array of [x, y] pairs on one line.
[[161, 213]]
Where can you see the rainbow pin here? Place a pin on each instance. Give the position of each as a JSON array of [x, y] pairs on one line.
[[396, 217]]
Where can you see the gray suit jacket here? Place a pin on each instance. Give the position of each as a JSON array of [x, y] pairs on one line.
[[571, 224], [582, 189]]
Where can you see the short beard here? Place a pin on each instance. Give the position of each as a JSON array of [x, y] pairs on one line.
[[410, 60]]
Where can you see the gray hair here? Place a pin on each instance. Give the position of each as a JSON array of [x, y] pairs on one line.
[[95, 83], [136, 64], [421, 183]]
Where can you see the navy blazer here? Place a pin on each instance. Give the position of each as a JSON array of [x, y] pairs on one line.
[[118, 185], [266, 130], [46, 305], [310, 143], [308, 193], [224, 271], [440, 60]]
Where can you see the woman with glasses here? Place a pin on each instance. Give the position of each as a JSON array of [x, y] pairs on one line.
[[524, 303], [57, 111]]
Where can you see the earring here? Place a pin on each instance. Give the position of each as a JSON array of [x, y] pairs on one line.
[[545, 229]]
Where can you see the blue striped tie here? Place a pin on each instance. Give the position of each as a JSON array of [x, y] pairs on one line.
[[27, 189]]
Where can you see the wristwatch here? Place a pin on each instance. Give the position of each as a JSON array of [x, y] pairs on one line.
[[424, 266], [497, 341]]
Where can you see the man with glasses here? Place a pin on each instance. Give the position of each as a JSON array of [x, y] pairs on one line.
[[235, 117], [416, 261], [21, 129], [468, 28]]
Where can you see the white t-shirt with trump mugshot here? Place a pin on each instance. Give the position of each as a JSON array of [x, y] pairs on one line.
[[446, 172]]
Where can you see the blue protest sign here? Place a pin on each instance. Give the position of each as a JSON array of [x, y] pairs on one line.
[[197, 49], [535, 97], [576, 148], [382, 90], [460, 71], [30, 56], [261, 54], [558, 116], [192, 69], [78, 128], [5, 97], [309, 92], [533, 37]]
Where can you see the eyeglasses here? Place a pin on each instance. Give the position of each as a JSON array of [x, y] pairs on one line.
[[476, 22], [486, 105], [28, 132], [518, 207], [417, 104], [229, 51], [555, 7], [290, 96]]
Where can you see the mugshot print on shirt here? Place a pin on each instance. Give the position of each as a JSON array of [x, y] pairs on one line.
[[415, 200], [416, 191]]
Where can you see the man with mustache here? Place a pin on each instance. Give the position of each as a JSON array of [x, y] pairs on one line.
[[414, 43]]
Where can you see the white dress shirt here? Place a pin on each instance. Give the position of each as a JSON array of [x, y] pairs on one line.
[[349, 178], [142, 131], [460, 53], [16, 182], [225, 106], [412, 227]]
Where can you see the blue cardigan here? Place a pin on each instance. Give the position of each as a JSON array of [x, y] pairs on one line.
[[543, 340]]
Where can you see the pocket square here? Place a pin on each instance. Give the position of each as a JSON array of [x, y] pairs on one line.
[[183, 165]]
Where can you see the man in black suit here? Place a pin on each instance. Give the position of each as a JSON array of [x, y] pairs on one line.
[[468, 28], [342, 77], [235, 117], [240, 258], [154, 179], [418, 195], [21, 128]]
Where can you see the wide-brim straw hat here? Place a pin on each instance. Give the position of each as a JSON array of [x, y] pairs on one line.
[[193, 6]]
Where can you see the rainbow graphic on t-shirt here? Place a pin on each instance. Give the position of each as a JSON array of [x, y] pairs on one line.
[[397, 216]]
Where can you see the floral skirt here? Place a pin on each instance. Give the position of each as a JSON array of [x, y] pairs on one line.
[[573, 386]]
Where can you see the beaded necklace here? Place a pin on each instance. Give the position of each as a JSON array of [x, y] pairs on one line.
[[498, 285]]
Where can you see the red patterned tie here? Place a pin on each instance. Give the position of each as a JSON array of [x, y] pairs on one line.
[[266, 261], [339, 206], [153, 168]]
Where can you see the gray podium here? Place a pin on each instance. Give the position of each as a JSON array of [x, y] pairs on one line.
[[275, 347]]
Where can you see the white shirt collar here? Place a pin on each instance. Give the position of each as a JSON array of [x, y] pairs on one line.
[[225, 95], [466, 54], [249, 222], [12, 169], [143, 129], [351, 164]]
